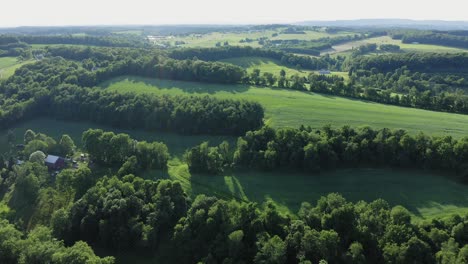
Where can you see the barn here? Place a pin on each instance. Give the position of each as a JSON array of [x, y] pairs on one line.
[[54, 162]]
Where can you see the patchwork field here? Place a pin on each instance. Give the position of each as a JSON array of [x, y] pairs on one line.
[[8, 66], [294, 108], [234, 38], [426, 195], [388, 40]]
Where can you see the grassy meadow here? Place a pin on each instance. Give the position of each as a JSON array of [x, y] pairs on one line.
[[289, 108], [8, 66]]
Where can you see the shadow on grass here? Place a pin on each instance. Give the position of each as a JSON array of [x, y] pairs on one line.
[[185, 86], [423, 193]]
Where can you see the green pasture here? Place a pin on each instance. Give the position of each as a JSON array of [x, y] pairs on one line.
[[8, 66], [289, 108]]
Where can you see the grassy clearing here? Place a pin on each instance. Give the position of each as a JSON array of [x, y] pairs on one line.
[[388, 40], [177, 143], [265, 65], [8, 66], [289, 108], [426, 195]]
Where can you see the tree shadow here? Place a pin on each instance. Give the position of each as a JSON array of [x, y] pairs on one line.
[[422, 193]]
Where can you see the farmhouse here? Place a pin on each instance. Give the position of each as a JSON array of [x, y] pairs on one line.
[[54, 162]]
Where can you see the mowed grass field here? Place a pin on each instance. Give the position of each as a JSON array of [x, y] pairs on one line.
[[272, 66], [426, 195], [289, 108], [343, 48], [8, 66]]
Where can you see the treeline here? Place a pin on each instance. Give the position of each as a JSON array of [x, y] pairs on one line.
[[156, 216], [219, 53], [107, 148], [183, 114], [421, 62], [458, 40], [312, 150], [110, 41], [436, 91]]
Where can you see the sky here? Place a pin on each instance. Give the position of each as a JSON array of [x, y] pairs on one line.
[[155, 12]]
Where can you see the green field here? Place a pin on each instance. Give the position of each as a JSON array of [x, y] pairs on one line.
[[294, 108], [425, 194], [345, 47], [8, 66], [177, 143], [272, 66]]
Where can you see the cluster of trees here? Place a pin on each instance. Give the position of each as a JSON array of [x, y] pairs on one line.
[[131, 213], [313, 150], [389, 48], [368, 48], [39, 142], [183, 114], [203, 158], [112, 149], [20, 49], [372, 47], [40, 246]]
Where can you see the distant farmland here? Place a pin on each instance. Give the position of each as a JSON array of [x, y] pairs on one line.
[[388, 40]]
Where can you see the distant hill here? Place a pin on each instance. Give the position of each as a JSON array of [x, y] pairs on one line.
[[392, 23]]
